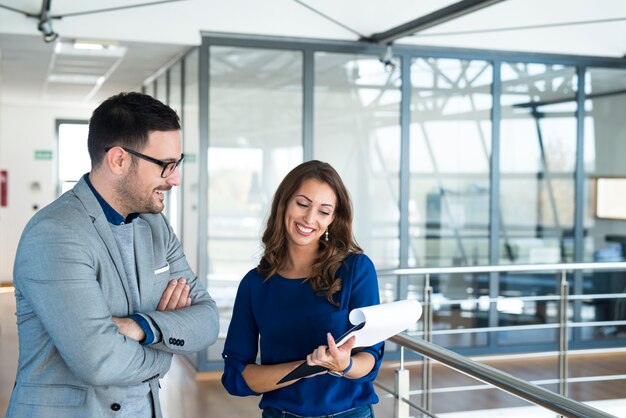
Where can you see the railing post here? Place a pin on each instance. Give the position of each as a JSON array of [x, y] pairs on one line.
[[427, 380], [402, 388], [563, 343]]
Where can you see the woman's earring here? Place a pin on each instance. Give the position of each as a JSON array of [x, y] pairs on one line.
[[326, 238]]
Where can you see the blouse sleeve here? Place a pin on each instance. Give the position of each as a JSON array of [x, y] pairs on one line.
[[240, 348], [364, 292]]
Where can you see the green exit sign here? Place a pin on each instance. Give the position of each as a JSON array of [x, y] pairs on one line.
[[43, 154]]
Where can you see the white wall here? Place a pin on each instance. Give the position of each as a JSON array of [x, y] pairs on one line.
[[25, 128]]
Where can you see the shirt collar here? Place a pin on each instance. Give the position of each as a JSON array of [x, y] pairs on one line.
[[111, 214]]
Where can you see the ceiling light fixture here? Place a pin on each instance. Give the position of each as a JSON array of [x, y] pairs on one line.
[[45, 27], [45, 24], [45, 18], [387, 60]]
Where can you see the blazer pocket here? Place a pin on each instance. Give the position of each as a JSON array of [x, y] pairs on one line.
[[51, 395], [163, 269]]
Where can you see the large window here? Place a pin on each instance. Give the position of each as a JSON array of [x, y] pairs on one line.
[[538, 158], [73, 155], [450, 151], [482, 162], [537, 166], [605, 239], [357, 113], [449, 162], [255, 138], [190, 123], [174, 100]]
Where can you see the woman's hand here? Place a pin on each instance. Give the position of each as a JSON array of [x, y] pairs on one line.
[[332, 357]]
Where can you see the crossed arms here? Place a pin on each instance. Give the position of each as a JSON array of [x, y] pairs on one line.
[[175, 296], [62, 302]]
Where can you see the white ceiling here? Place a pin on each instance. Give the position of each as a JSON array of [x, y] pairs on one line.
[[158, 32]]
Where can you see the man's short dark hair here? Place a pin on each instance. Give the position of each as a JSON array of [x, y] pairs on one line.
[[126, 120]]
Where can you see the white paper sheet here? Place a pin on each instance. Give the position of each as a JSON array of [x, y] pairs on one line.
[[383, 321], [380, 322]]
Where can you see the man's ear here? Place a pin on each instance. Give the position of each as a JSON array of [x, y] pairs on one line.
[[117, 160]]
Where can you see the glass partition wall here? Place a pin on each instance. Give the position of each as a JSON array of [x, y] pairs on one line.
[[450, 153], [537, 162], [356, 108], [605, 237], [451, 158], [536, 218], [255, 131]]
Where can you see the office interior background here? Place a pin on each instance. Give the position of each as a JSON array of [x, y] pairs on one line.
[[469, 133]]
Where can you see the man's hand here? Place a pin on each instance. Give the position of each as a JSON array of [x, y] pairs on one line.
[[175, 296], [129, 328]]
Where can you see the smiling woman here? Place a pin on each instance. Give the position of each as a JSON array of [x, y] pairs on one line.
[[311, 275], [309, 215]]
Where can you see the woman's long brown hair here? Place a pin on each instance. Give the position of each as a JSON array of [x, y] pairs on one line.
[[331, 253]]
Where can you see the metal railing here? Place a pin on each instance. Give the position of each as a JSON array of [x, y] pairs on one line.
[[533, 393], [515, 386]]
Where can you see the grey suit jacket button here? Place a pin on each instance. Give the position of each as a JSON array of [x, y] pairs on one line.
[[176, 341], [116, 406]]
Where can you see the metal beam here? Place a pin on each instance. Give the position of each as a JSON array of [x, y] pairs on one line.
[[570, 99], [435, 18]]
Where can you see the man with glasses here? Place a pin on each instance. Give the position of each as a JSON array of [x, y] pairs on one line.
[[104, 293]]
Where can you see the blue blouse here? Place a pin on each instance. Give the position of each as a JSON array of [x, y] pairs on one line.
[[291, 320]]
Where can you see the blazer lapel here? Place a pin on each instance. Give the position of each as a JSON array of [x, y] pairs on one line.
[[144, 259], [100, 223]]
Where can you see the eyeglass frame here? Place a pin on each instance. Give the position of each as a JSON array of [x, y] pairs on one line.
[[163, 164]]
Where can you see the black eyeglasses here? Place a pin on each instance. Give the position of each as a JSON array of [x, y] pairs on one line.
[[168, 167]]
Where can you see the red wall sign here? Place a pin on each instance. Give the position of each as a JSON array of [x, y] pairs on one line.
[[4, 185]]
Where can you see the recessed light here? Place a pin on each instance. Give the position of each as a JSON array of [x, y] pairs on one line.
[[75, 79], [92, 46]]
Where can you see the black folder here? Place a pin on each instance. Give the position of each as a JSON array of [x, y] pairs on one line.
[[304, 370]]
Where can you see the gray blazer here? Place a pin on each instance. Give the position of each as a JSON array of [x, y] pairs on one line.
[[69, 281]]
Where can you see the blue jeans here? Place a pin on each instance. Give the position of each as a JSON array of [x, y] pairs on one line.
[[359, 412]]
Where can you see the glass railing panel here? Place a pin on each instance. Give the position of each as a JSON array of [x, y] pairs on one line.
[[529, 299], [473, 339], [606, 302], [548, 338], [460, 301]]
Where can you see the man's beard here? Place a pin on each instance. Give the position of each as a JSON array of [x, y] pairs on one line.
[[130, 194]]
